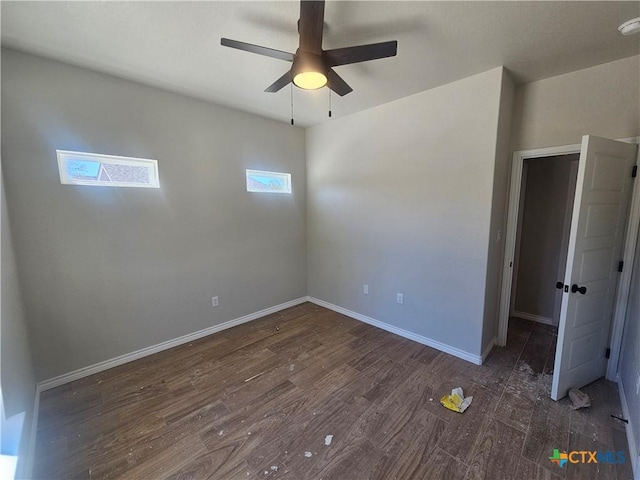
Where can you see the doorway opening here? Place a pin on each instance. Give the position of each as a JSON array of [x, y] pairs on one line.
[[571, 285], [544, 222], [547, 191]]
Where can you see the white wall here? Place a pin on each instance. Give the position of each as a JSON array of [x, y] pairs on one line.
[[603, 100], [107, 271], [400, 198], [18, 379]]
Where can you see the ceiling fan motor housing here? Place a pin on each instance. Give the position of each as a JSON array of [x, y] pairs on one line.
[[310, 64], [313, 67]]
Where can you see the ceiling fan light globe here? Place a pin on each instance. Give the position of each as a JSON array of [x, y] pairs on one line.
[[310, 80]]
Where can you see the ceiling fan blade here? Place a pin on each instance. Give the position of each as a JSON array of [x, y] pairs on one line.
[[310, 26], [247, 47], [337, 84], [283, 81], [361, 53]]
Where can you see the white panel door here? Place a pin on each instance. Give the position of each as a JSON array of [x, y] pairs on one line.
[[595, 248]]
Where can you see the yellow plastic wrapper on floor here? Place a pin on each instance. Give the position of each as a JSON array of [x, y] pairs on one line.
[[456, 401]]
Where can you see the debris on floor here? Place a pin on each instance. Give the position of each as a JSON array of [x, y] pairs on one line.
[[579, 399], [255, 376], [274, 468], [526, 368], [456, 401], [545, 381], [327, 439], [308, 454]]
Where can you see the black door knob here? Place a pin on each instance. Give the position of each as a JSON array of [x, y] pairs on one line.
[[559, 285], [575, 288]]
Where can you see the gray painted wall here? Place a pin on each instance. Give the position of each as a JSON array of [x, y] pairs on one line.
[[400, 198], [603, 100], [499, 206], [547, 185], [18, 379], [107, 271], [405, 197], [630, 360]]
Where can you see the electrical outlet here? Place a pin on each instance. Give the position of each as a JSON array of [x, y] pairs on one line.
[[214, 301], [400, 298], [365, 289]]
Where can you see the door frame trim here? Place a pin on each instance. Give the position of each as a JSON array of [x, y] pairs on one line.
[[517, 166], [624, 285]]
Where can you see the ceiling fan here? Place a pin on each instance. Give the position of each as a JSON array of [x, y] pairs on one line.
[[312, 67]]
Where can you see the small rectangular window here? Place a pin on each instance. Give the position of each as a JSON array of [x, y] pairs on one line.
[[79, 168], [269, 182]]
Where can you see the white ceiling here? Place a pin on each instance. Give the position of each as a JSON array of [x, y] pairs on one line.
[[176, 45]]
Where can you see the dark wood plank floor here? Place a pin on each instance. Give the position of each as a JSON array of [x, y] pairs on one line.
[[257, 401]]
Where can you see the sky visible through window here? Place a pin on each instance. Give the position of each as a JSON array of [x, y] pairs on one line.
[[270, 183], [96, 169], [273, 182], [83, 169]]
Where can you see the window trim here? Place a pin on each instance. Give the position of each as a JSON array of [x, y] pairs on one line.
[[154, 178], [285, 176]]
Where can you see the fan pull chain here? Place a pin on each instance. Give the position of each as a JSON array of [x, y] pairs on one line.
[[329, 103], [292, 104]]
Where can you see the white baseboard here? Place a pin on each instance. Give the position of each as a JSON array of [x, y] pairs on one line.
[[532, 317], [129, 357], [477, 359], [487, 350], [633, 446]]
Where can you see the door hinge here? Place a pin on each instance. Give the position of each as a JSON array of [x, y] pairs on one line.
[[620, 265], [607, 354], [634, 171]]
